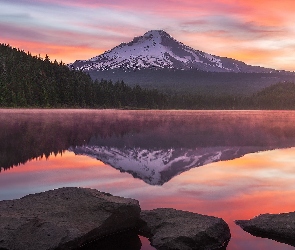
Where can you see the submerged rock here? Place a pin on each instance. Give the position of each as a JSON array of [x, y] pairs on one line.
[[279, 227], [65, 218], [168, 228]]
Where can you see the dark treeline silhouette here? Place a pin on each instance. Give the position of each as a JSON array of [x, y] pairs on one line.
[[31, 81]]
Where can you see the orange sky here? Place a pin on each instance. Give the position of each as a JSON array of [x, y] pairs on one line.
[[258, 32]]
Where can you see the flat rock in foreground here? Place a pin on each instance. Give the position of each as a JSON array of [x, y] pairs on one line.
[[279, 227], [168, 228], [65, 218]]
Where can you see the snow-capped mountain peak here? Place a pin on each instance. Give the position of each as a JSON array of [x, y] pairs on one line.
[[156, 49]]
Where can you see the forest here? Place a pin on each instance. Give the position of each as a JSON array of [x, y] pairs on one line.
[[35, 82]]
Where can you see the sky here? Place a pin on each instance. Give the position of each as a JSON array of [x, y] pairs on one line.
[[258, 32]]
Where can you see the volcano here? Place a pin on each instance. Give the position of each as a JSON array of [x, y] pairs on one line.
[[156, 49]]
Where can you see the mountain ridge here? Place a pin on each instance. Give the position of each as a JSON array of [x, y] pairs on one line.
[[156, 49]]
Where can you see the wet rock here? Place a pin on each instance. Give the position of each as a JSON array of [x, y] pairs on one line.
[[174, 229], [279, 227], [65, 218]]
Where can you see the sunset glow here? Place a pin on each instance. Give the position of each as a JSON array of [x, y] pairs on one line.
[[237, 189], [256, 32]]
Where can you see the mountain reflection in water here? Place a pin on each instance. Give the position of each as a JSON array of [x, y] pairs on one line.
[[207, 135], [239, 189]]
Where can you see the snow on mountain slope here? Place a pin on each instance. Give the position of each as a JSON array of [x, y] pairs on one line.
[[157, 49], [155, 167]]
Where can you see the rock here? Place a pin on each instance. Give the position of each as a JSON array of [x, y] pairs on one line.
[[279, 227], [65, 218], [168, 228]]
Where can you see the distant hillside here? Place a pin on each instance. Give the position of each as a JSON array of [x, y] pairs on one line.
[[193, 81], [277, 96]]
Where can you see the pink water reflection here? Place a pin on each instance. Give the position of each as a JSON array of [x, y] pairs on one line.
[[237, 189]]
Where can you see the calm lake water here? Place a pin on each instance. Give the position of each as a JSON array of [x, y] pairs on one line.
[[230, 164]]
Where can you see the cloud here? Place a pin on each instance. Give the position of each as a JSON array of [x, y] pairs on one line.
[[9, 31], [223, 27], [232, 26]]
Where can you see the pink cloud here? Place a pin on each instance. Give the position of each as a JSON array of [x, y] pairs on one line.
[[221, 27]]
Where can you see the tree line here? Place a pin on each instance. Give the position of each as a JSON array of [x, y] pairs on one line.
[[31, 81]]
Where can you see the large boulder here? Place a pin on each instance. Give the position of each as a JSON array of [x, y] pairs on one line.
[[168, 228], [279, 227], [65, 218]]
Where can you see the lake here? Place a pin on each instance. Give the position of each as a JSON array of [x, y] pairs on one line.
[[230, 164]]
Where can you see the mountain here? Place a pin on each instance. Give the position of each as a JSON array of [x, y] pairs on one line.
[[158, 61], [157, 166], [156, 49]]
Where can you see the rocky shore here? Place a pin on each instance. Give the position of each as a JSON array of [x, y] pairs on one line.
[[279, 227], [169, 228], [82, 218]]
